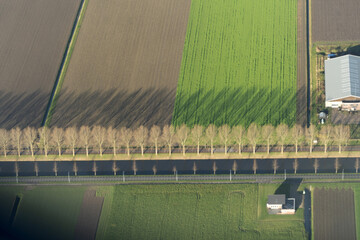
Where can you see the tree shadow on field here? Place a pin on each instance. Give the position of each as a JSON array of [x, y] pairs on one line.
[[236, 106], [22, 109], [114, 108]]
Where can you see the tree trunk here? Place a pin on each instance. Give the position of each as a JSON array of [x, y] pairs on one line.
[[169, 150], [156, 148], [225, 149], [128, 149], [114, 148], [198, 148], [31, 149], [268, 146], [296, 147], [114, 173], [73, 151], [100, 150], [282, 148], [311, 148], [18, 151], [254, 148], [142, 150], [325, 148], [239, 148], [87, 151], [5, 151], [184, 149], [45, 151], [212, 147], [59, 151], [339, 148]]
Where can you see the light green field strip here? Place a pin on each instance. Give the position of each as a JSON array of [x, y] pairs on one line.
[[64, 68], [239, 63]]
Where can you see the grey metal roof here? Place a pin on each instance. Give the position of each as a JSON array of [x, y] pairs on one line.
[[276, 199], [342, 77]]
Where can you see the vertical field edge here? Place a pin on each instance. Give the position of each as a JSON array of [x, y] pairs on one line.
[[64, 63]]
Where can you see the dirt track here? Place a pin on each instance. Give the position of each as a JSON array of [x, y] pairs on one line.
[[33, 37], [89, 216], [125, 65], [334, 214], [335, 20], [301, 95]]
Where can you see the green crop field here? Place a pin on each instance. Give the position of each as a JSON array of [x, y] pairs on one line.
[[220, 211], [239, 63]]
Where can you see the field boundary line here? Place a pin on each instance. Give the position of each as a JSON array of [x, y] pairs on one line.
[[65, 63]]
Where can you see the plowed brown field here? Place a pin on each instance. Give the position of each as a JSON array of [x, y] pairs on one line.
[[334, 214], [335, 20], [33, 38], [125, 65]]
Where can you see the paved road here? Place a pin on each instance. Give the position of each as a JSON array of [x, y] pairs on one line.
[[176, 178], [307, 212]]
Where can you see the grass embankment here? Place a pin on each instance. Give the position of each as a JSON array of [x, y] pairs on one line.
[[239, 63], [44, 211], [66, 62], [196, 212], [180, 156]]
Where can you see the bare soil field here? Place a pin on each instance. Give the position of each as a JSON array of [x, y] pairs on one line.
[[89, 216], [334, 214], [335, 20], [33, 38], [125, 65], [302, 81]]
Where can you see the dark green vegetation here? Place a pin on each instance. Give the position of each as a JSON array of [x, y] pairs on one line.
[[195, 212], [239, 63], [43, 212]]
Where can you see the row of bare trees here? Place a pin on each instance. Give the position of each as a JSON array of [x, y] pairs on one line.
[[100, 138]]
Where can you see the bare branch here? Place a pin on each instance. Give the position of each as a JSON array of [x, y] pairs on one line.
[[224, 134], [211, 132], [197, 133], [155, 133]]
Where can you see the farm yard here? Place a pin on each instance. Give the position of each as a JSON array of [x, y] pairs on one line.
[[125, 65], [195, 212], [239, 63], [334, 214], [335, 20], [33, 39]]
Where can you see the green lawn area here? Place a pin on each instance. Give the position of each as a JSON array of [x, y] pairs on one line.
[[239, 63], [44, 212], [201, 211]]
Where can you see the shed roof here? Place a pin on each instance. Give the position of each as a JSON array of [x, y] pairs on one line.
[[342, 77], [276, 199]]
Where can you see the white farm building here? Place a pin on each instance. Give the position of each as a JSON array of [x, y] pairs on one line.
[[342, 82]]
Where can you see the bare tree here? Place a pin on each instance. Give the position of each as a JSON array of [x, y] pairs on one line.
[[282, 132], [182, 135], [30, 136], [224, 134], [214, 167], [85, 138], [336, 165], [211, 132], [75, 168], [94, 168], [36, 169], [341, 135], [113, 138], [194, 168], [168, 136], [71, 138], [99, 135], [235, 167], [255, 166], [174, 170], [238, 133], [16, 139], [45, 138], [55, 168], [155, 133], [253, 135], [275, 165], [316, 165], [267, 132], [57, 138], [4, 140], [325, 136], [126, 135], [141, 136], [357, 165], [295, 165], [114, 168], [311, 133], [134, 168], [154, 169], [297, 132], [197, 133]]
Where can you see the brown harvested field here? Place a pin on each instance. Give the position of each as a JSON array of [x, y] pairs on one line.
[[335, 20], [33, 38], [301, 94], [125, 65], [334, 214], [89, 216]]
